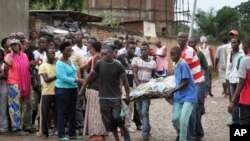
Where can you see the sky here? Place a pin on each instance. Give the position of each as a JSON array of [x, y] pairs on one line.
[[206, 5], [216, 4]]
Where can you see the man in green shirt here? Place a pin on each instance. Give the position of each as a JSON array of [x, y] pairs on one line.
[[192, 42]]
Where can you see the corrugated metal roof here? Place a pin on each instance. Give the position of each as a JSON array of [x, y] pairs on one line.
[[67, 14]]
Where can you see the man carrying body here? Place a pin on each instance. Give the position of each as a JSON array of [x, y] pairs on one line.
[[109, 73]]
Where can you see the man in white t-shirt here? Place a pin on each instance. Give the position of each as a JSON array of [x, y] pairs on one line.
[[220, 64], [79, 46], [208, 53], [130, 38], [233, 61], [233, 34], [40, 57]]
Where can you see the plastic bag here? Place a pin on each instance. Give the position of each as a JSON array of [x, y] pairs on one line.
[[124, 109]]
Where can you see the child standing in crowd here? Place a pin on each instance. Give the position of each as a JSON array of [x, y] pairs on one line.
[[143, 70], [47, 70], [241, 93], [184, 94], [3, 94]]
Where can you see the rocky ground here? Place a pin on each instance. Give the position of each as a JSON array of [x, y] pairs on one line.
[[214, 121]]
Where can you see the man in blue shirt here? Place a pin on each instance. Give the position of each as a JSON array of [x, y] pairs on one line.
[[184, 94]]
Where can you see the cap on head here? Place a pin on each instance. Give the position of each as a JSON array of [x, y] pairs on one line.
[[14, 41], [234, 32]]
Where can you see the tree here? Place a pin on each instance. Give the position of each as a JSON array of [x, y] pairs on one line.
[[111, 20], [206, 23], [227, 19], [181, 27], [76, 5], [244, 18], [218, 24]]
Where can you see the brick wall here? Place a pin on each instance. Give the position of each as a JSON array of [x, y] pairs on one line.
[[155, 7], [150, 10], [134, 26], [102, 33]]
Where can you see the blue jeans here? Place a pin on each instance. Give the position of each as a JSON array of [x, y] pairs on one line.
[[143, 109], [180, 118], [235, 112], [66, 107], [195, 130]]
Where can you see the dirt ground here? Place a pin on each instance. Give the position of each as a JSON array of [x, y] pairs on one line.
[[214, 121]]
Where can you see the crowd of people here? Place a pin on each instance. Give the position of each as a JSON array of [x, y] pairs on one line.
[[78, 85]]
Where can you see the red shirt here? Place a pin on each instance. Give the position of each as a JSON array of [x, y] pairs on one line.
[[189, 55], [244, 72]]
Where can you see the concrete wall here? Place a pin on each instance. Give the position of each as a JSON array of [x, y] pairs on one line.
[[14, 17]]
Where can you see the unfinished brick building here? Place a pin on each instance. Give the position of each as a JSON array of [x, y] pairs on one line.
[[133, 12]]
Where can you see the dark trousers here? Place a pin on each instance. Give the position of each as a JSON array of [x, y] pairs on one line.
[[209, 79], [66, 106], [229, 91], [244, 114], [47, 102], [195, 129], [79, 114], [136, 117], [110, 111]]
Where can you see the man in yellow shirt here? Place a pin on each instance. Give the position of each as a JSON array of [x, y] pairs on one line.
[[47, 71]]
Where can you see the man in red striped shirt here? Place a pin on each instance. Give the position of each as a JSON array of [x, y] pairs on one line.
[[195, 130]]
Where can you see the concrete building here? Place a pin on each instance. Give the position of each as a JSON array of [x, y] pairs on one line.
[[161, 12], [14, 17]]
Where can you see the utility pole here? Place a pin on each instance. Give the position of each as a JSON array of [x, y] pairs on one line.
[[192, 20]]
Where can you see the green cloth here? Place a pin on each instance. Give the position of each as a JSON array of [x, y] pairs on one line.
[[203, 60], [238, 62]]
